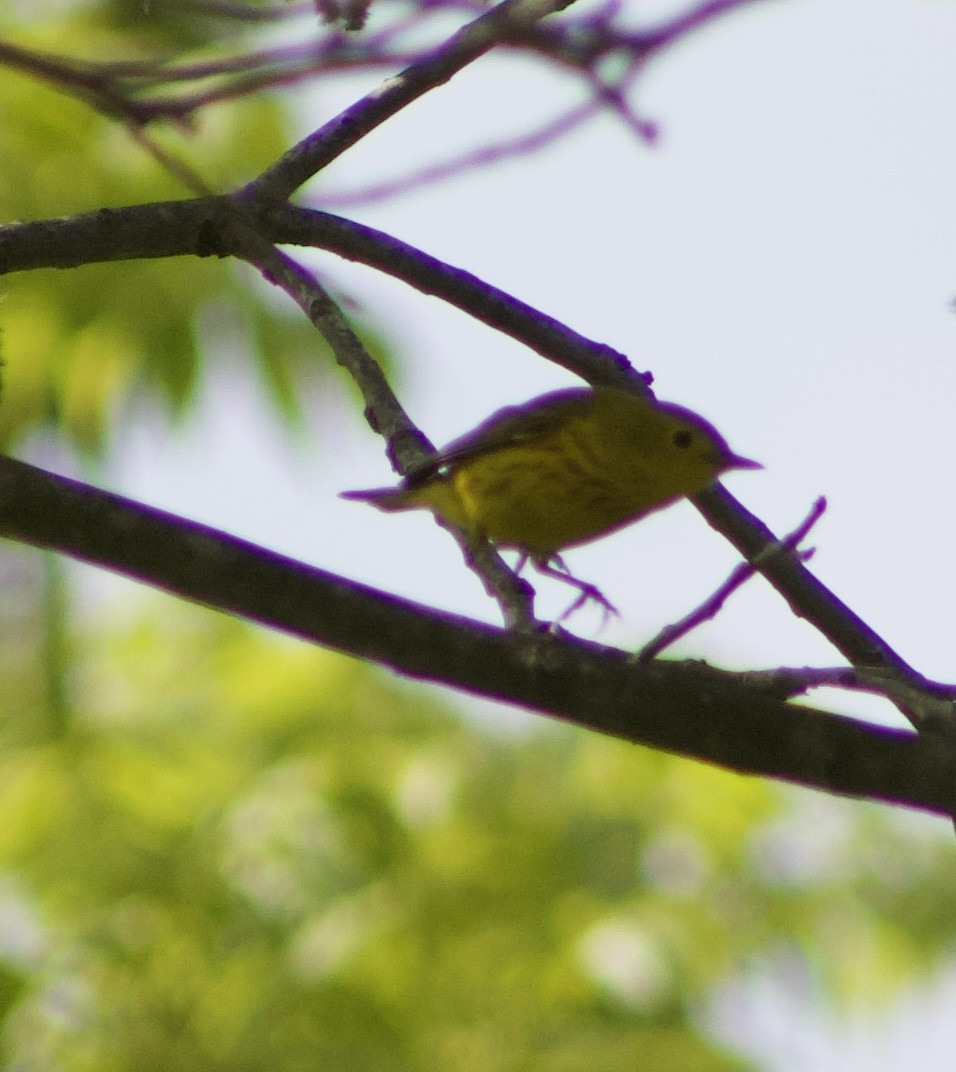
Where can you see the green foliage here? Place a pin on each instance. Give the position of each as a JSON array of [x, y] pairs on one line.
[[79, 345], [249, 854], [246, 854]]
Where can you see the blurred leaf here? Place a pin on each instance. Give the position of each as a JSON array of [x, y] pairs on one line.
[[251, 854], [79, 345]]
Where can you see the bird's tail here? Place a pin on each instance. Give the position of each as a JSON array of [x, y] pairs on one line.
[[387, 499], [439, 496]]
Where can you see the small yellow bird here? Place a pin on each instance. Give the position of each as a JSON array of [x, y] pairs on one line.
[[562, 470]]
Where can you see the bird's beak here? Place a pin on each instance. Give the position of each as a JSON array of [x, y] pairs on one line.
[[735, 461]]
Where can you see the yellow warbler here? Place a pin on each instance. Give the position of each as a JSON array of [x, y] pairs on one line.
[[564, 469]]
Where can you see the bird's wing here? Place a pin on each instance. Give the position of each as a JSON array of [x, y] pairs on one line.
[[508, 427]]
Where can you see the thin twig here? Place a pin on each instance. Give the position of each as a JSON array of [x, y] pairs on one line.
[[582, 43], [196, 228], [406, 446], [593, 361], [327, 143], [809, 598], [785, 682], [935, 699], [615, 97], [682, 25], [71, 77], [117, 88], [476, 158], [712, 606], [175, 165]]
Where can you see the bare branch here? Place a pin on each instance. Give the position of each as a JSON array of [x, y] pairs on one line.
[[491, 154], [581, 44], [687, 708], [810, 599], [201, 228], [407, 448], [318, 150], [934, 701], [175, 165], [120, 88], [593, 361], [712, 606], [71, 76]]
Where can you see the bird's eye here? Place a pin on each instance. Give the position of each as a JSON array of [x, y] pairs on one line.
[[682, 439]]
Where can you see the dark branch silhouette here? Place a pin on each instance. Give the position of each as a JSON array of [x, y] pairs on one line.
[[692, 709]]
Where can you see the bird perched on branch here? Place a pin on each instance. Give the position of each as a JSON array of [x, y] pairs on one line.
[[562, 470]]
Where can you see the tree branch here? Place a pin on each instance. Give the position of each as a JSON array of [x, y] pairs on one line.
[[205, 226], [742, 573], [327, 143], [687, 708], [594, 361], [407, 448]]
